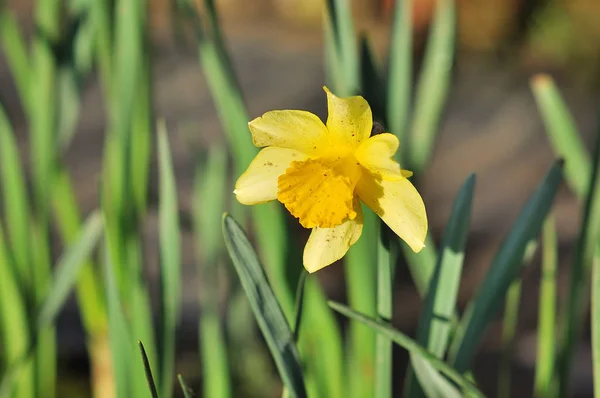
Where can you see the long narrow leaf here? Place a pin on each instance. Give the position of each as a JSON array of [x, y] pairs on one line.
[[19, 377], [385, 282], [170, 259], [187, 392], [265, 306], [595, 311], [16, 205], [340, 16], [68, 267], [504, 269], [209, 193], [15, 50], [509, 327], [562, 132], [433, 86], [545, 364], [440, 301], [400, 71], [410, 345], [147, 368], [575, 313]]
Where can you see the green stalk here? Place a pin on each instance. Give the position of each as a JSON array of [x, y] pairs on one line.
[[14, 328], [360, 280], [544, 370], [209, 192], [385, 281], [577, 301]]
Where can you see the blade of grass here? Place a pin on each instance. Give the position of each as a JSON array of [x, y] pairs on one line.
[[385, 284], [117, 323], [298, 315], [400, 71], [562, 132], [265, 306], [344, 37], [595, 311], [68, 268], [187, 392], [148, 370], [361, 282], [433, 383], [410, 345], [141, 139], [544, 369], [90, 291], [421, 265], [321, 346], [209, 193], [435, 323], [372, 86], [299, 304], [509, 326], [433, 86], [226, 93], [170, 259], [15, 332], [16, 205], [576, 306], [15, 50], [42, 145], [504, 269]]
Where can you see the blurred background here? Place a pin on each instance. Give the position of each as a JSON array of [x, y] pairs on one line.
[[491, 126]]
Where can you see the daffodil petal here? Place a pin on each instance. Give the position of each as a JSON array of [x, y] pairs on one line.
[[259, 183], [376, 154], [399, 205], [327, 245], [292, 129], [349, 119]]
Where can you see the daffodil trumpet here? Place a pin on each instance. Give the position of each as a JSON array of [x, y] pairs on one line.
[[321, 173]]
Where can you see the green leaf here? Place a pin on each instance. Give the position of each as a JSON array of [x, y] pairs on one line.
[[563, 133], [339, 13], [433, 383], [595, 311], [16, 205], [361, 283], [575, 314], [148, 370], [400, 71], [372, 86], [545, 364], [208, 201], [411, 346], [18, 377], [170, 259], [265, 306], [68, 267], [187, 392], [509, 326], [15, 49], [435, 323], [117, 323], [90, 289], [433, 86], [299, 303], [421, 265], [385, 284], [504, 269]]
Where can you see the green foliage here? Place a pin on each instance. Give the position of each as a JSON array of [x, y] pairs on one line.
[[101, 257]]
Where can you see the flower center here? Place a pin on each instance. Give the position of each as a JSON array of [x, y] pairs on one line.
[[319, 193]]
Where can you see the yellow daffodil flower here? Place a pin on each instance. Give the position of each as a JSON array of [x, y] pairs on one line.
[[320, 172]]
